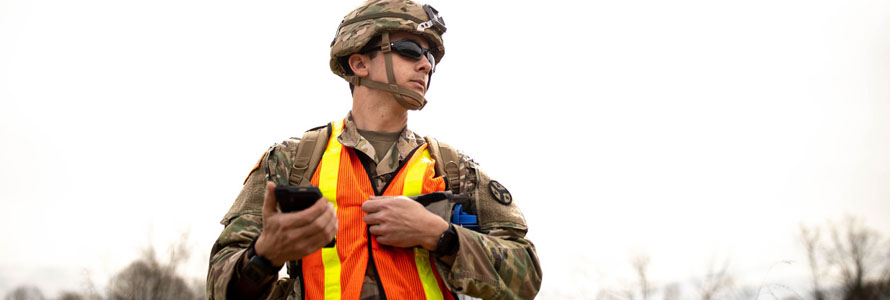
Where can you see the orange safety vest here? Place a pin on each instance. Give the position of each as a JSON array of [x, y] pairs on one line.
[[338, 272]]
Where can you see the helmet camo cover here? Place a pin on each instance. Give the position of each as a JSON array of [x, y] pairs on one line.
[[377, 16]]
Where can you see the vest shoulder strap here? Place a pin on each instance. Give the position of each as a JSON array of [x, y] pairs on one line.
[[447, 160], [308, 155]]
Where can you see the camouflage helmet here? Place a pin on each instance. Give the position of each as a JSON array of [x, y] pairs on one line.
[[381, 17]]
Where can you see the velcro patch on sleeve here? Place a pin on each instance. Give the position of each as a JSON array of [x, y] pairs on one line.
[[255, 167]]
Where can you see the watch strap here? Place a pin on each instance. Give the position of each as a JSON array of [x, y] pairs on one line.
[[448, 242], [258, 268]]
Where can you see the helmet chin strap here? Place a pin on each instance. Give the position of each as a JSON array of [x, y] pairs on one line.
[[407, 98]]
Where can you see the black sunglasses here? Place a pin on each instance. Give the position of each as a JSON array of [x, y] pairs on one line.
[[410, 49]]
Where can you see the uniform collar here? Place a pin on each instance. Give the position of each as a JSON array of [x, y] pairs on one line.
[[407, 142]]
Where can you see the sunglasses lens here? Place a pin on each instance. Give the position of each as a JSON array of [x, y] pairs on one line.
[[432, 59], [413, 50], [408, 49]]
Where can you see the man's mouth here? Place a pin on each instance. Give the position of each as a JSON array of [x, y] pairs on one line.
[[420, 83]]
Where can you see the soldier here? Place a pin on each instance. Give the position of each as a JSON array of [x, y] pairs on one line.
[[386, 244]]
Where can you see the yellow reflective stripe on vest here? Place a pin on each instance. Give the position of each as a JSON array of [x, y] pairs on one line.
[[330, 169], [413, 187], [425, 270], [330, 165], [414, 178], [331, 261]]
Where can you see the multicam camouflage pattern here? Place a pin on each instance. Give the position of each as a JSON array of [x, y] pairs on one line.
[[497, 262], [351, 38]]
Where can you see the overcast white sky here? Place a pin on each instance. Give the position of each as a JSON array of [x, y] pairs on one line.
[[687, 130]]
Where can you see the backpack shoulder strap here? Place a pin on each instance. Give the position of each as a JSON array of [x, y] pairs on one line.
[[447, 160], [309, 153]]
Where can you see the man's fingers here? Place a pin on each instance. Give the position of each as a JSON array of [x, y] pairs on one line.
[[307, 216], [325, 216], [270, 204], [374, 204], [317, 233], [376, 229], [327, 226], [373, 218]]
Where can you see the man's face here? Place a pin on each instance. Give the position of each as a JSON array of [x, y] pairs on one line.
[[410, 73]]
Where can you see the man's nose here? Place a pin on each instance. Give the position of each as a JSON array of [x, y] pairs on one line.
[[424, 64]]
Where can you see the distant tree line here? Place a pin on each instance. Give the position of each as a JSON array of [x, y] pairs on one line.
[[146, 278], [851, 263], [846, 260]]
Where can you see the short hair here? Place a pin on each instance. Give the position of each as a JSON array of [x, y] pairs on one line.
[[373, 44]]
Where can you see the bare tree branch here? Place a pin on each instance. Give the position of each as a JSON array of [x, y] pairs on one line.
[[716, 281], [641, 266], [810, 238], [853, 255]]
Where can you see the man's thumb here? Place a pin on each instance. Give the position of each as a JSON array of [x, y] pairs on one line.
[[270, 204]]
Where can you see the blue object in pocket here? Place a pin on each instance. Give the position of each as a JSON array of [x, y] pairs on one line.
[[463, 219]]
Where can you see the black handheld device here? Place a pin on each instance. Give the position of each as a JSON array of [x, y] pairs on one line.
[[296, 198]]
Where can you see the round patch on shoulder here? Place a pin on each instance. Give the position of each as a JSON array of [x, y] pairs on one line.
[[500, 193]]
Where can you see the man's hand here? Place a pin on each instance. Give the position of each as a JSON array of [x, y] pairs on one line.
[[402, 222], [291, 236]]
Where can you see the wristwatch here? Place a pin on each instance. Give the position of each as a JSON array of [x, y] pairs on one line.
[[448, 243], [258, 268]]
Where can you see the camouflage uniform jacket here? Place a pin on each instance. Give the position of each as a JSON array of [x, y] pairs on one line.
[[497, 262]]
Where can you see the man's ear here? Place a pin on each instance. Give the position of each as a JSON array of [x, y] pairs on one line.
[[359, 64]]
